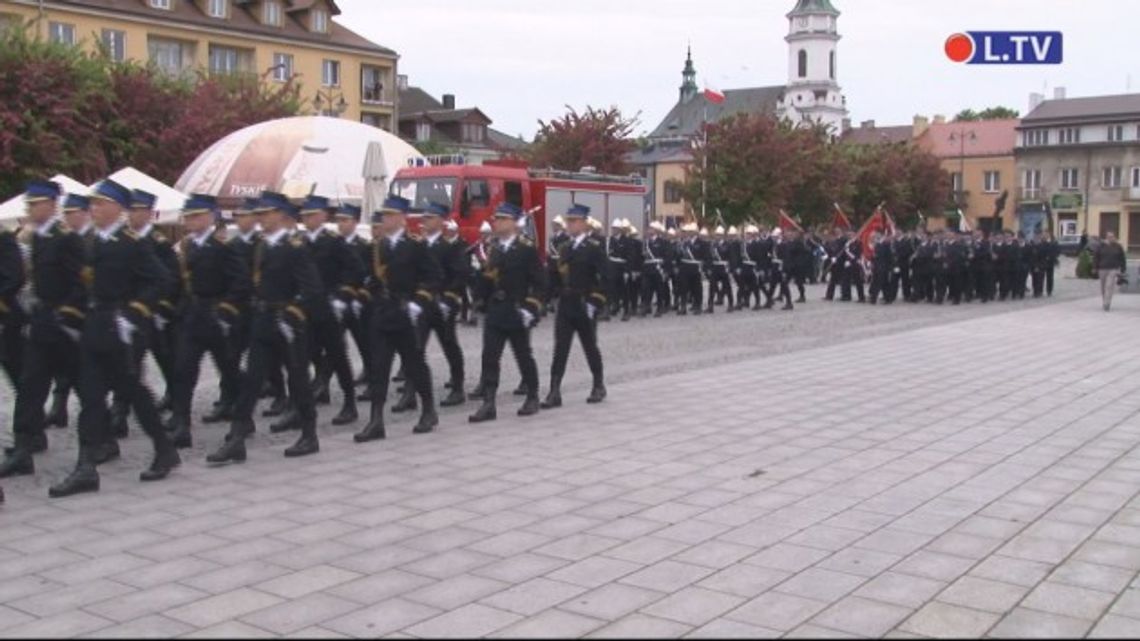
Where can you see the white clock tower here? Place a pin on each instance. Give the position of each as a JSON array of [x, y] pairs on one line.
[[813, 94]]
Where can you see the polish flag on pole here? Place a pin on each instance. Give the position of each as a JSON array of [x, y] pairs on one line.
[[840, 219], [714, 96], [787, 223]]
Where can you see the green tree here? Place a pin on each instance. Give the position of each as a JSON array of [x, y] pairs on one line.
[[991, 113], [599, 138]]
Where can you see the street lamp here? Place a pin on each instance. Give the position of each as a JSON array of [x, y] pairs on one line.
[[337, 105], [962, 136]]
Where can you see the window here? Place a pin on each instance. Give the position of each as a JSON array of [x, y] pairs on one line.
[[1031, 184], [217, 8], [1136, 177], [477, 193], [423, 131], [1036, 137], [161, 4], [330, 73], [672, 192], [473, 132], [62, 33], [282, 67], [956, 182], [1111, 177], [803, 63], [831, 64], [373, 82], [1115, 133], [170, 56], [320, 20], [992, 182], [228, 60], [1070, 136], [272, 13], [380, 121], [115, 43], [1070, 179], [513, 193]]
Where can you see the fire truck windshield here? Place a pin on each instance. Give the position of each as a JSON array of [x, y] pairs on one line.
[[422, 191]]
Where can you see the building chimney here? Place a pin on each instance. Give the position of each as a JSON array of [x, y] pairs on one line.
[[921, 124], [448, 101], [1059, 93], [867, 124], [939, 120], [402, 82], [846, 124], [1035, 100]]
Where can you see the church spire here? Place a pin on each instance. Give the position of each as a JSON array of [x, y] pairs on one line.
[[689, 78]]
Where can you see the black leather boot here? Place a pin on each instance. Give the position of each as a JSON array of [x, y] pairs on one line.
[[554, 398], [374, 431], [84, 478], [118, 422], [279, 406], [407, 402], [57, 415], [308, 444], [428, 421], [530, 406], [164, 404], [521, 390], [365, 395], [321, 395], [233, 449], [348, 414], [222, 413], [287, 423], [179, 430], [454, 398], [108, 452], [478, 393], [598, 394], [165, 460], [18, 462], [487, 411]]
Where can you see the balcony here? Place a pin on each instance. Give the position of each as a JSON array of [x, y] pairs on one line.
[[1032, 194], [376, 95]]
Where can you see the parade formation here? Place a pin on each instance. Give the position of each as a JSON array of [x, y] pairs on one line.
[[91, 287]]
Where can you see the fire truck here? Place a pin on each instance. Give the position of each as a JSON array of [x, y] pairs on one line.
[[474, 191]]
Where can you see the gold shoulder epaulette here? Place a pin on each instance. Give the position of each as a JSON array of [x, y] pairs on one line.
[[297, 241], [159, 238], [129, 233]]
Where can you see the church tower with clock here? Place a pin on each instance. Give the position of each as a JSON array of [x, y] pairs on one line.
[[813, 94]]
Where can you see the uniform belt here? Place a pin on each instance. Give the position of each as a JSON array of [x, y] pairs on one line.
[[750, 263], [692, 262], [265, 306], [616, 260], [655, 261], [723, 263]]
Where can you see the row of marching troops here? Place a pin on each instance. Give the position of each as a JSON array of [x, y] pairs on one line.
[[695, 270], [96, 287]]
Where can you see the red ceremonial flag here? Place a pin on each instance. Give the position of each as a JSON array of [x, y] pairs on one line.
[[840, 219], [714, 96], [787, 223], [878, 222]]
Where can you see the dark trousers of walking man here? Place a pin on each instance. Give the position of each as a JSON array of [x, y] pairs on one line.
[[574, 317]]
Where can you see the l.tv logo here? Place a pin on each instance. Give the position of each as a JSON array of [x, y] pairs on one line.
[[1007, 47]]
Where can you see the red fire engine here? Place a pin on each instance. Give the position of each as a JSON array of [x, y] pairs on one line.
[[474, 191]]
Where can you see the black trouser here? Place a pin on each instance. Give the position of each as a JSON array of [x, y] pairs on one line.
[[922, 289], [495, 339], [720, 286], [328, 350], [941, 285], [386, 343], [573, 319], [880, 283], [903, 280], [852, 275], [12, 350], [357, 325], [956, 285], [1020, 282], [693, 287], [48, 354], [1049, 273], [747, 286], [269, 348], [619, 282], [835, 279], [798, 278], [434, 321], [985, 285], [654, 284], [1038, 277], [162, 346], [200, 334], [108, 365], [780, 279]]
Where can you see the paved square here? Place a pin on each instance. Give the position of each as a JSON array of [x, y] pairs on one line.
[[970, 478]]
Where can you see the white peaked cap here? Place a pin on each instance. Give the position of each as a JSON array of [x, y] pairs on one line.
[[485, 228], [704, 231], [719, 230]]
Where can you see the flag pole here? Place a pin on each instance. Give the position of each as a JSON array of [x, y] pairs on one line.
[[705, 163]]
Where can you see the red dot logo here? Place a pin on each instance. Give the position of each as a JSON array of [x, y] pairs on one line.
[[959, 47]]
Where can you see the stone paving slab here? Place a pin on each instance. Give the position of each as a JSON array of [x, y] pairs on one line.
[[971, 479]]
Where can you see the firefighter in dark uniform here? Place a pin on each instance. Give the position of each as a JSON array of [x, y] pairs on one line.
[[984, 268], [720, 283], [882, 266], [342, 275], [690, 267], [12, 278], [356, 318], [514, 284], [125, 282], [557, 238], [616, 249], [655, 272], [582, 267], [402, 282], [782, 266], [904, 251], [441, 318], [56, 320], [801, 262], [852, 268], [1050, 258], [215, 294], [285, 283], [634, 264], [834, 262]]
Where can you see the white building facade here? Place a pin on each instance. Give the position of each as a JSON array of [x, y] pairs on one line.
[[813, 94]]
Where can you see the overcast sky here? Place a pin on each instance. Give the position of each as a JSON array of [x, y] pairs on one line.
[[522, 60]]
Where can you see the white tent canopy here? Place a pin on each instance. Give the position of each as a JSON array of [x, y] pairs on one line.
[[170, 200], [296, 156], [13, 210]]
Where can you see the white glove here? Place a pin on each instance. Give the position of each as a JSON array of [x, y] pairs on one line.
[[897, 270], [72, 333], [414, 312], [591, 311], [225, 327], [286, 331], [444, 309], [527, 317], [126, 330], [339, 307], [160, 323], [357, 308]]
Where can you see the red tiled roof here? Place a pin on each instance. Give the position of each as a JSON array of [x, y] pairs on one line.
[[878, 135], [992, 138]]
